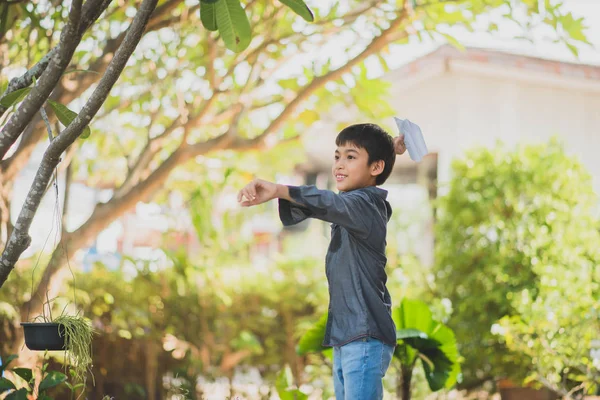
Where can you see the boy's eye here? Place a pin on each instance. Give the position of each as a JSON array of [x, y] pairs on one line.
[[350, 157], [337, 157]]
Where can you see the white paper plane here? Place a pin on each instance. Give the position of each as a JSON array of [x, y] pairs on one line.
[[413, 138]]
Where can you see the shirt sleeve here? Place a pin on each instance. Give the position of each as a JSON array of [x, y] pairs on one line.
[[353, 210]]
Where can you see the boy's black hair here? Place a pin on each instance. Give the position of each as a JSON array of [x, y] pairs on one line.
[[376, 141]]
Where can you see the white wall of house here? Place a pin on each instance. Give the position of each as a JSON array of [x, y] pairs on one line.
[[468, 106]]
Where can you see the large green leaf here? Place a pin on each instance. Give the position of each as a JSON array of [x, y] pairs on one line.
[[413, 314], [5, 384], [438, 368], [417, 339], [66, 116], [20, 394], [208, 15], [233, 25], [24, 373], [431, 341], [311, 341], [6, 362], [285, 386], [445, 336], [300, 8], [14, 97], [54, 378]]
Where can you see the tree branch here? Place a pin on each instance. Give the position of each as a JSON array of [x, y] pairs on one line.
[[67, 192], [376, 45], [164, 9], [163, 23], [20, 239], [70, 38], [91, 12], [145, 158]]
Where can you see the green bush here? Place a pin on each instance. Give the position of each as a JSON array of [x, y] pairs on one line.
[[517, 253]]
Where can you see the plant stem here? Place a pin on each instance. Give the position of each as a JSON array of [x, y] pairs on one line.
[[406, 381]]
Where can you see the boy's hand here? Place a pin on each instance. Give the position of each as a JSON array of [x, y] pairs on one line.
[[257, 192], [399, 145]]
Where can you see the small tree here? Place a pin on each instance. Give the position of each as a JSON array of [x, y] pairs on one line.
[[517, 254]]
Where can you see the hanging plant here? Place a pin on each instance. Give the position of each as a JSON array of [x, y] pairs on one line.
[[71, 334]]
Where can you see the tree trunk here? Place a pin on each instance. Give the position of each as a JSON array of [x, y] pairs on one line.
[[151, 369], [6, 189], [290, 346]]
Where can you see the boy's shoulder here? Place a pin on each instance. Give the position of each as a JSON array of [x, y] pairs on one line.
[[369, 191], [375, 197]]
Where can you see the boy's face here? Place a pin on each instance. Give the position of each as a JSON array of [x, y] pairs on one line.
[[351, 168]]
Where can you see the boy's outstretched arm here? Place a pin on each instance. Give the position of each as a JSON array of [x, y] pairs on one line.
[[259, 191], [353, 211]]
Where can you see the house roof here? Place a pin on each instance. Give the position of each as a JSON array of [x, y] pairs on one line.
[[499, 64]]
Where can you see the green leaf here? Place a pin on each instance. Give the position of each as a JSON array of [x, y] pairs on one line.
[[300, 8], [24, 373], [15, 97], [417, 339], [290, 83], [285, 386], [573, 49], [233, 25], [54, 378], [413, 314], [438, 368], [383, 62], [5, 384], [20, 394], [6, 362], [574, 27], [311, 341], [208, 15], [66, 116], [453, 41]]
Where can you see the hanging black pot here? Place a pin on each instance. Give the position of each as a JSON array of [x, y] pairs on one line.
[[44, 335]]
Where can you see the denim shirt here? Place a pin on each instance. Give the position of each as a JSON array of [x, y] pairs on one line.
[[359, 302]]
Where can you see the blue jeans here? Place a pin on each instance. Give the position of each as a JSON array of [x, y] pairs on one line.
[[359, 367]]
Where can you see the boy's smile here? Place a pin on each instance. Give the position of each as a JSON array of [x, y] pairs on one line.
[[351, 168]]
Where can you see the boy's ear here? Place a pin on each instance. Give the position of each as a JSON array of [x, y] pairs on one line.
[[377, 167]]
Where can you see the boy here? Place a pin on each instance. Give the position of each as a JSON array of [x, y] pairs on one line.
[[359, 324]]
